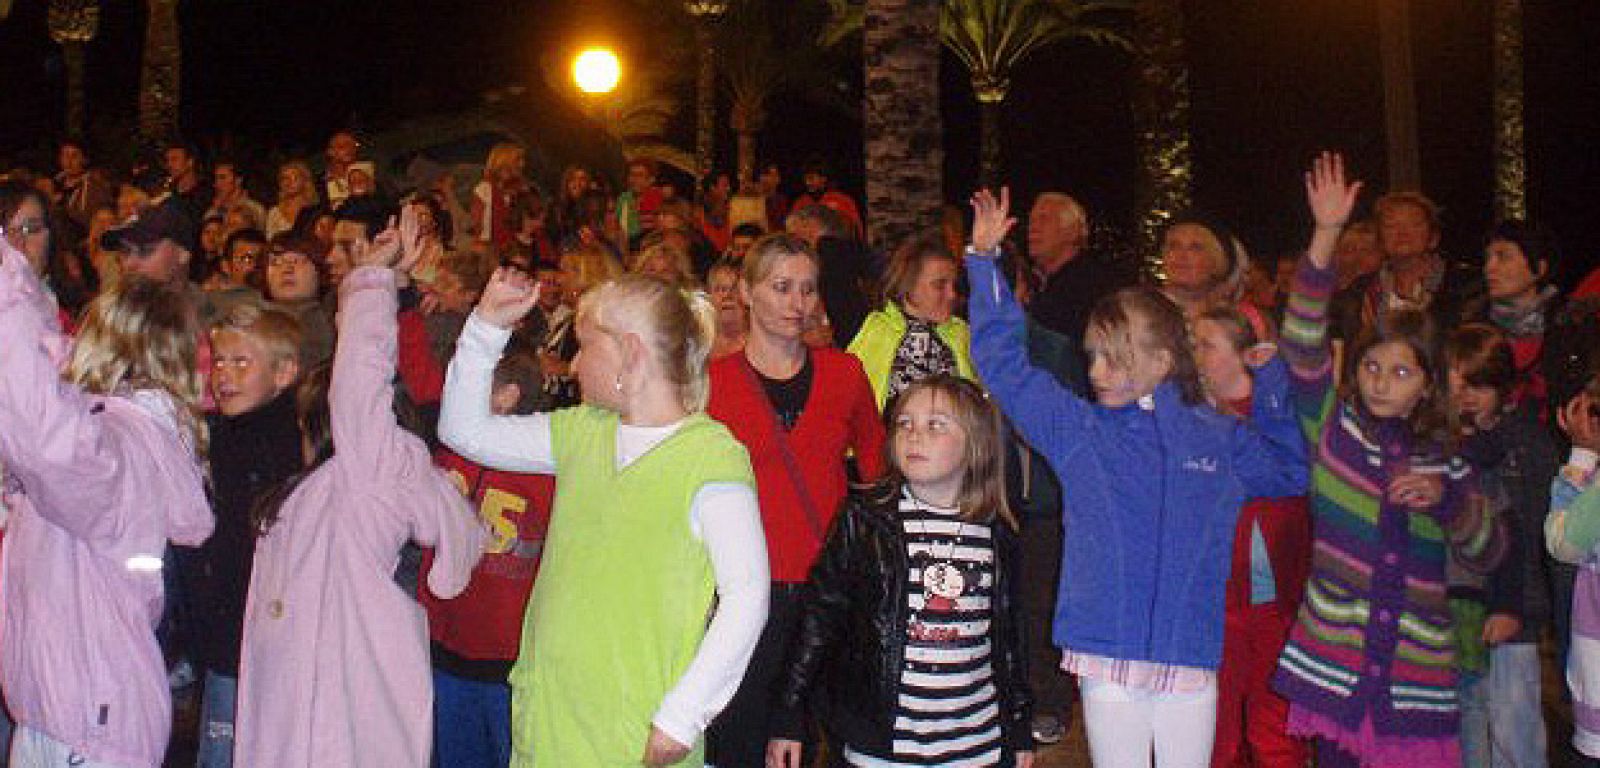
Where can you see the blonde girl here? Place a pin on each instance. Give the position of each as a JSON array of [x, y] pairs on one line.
[[103, 472], [656, 514]]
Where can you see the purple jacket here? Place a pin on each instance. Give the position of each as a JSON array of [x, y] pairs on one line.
[[97, 486]]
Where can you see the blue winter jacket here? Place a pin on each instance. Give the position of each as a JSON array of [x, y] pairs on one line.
[[1152, 494]]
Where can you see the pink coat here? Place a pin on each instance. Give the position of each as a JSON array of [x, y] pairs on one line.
[[334, 666], [97, 486]]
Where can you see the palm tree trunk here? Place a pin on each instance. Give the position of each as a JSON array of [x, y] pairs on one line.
[[903, 127], [705, 104], [1399, 95], [74, 56], [73, 24], [1161, 112], [1510, 154], [159, 76], [747, 157], [989, 170]]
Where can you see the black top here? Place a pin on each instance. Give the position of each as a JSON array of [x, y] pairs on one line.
[[250, 454], [1071, 292], [788, 396]]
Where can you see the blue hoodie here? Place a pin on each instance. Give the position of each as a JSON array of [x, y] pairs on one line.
[[1152, 493]]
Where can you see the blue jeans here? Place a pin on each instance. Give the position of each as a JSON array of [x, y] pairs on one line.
[[471, 723], [1502, 719], [218, 707], [1474, 697], [1516, 713]]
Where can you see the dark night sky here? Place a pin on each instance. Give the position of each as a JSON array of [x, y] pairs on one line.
[[1274, 80]]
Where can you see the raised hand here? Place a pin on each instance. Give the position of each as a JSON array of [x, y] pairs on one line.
[[410, 237], [508, 297], [991, 219], [1330, 197], [380, 251]]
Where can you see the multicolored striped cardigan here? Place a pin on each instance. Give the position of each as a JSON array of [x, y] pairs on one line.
[[1374, 633]]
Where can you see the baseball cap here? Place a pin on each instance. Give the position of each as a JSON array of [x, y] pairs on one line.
[[166, 220]]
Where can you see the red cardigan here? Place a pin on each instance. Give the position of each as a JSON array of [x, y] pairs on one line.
[[840, 416]]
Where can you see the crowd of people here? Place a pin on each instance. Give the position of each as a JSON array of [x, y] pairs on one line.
[[594, 477]]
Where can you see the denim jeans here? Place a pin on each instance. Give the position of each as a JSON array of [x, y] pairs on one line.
[[1516, 712], [1502, 717], [218, 707], [471, 722], [1473, 689]]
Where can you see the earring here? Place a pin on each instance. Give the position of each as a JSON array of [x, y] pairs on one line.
[[617, 385]]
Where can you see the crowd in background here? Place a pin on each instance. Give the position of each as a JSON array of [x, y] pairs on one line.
[[397, 472]]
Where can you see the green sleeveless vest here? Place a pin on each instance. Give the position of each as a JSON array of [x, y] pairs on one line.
[[623, 594]]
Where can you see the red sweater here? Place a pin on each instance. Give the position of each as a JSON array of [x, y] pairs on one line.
[[840, 416], [420, 372], [485, 621]]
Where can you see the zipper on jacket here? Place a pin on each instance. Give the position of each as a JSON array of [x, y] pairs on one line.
[[1161, 530]]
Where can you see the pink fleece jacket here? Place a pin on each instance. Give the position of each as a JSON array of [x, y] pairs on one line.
[[334, 664], [97, 486]]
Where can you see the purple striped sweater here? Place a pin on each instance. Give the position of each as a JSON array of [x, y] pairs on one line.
[[1373, 638]]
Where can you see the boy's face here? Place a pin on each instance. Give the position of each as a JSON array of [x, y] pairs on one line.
[[243, 375]]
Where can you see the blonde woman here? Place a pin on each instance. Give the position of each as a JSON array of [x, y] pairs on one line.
[[495, 199], [297, 191]]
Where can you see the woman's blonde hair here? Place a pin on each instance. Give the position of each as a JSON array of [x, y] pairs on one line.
[[503, 158], [677, 326], [906, 264], [765, 253], [300, 167], [141, 335], [590, 265], [682, 267], [982, 498]]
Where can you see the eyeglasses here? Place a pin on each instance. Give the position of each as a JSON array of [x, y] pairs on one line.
[[287, 259], [30, 227]]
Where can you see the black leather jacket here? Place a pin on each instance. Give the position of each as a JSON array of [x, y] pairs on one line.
[[845, 663]]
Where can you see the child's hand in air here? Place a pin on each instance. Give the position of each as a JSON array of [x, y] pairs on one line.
[[991, 219], [1330, 197]]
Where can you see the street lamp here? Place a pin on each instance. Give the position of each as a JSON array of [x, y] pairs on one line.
[[596, 71]]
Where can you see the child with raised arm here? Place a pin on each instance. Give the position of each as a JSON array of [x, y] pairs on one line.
[[1153, 480], [1368, 670], [333, 664], [910, 647], [655, 514], [102, 472]]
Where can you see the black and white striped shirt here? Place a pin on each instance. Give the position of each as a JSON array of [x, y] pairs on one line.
[[948, 710]]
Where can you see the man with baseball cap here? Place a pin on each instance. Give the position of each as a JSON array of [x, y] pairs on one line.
[[157, 244]]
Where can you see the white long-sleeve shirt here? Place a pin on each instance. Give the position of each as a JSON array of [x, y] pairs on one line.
[[724, 516]]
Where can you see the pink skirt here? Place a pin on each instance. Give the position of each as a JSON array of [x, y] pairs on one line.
[[1373, 749]]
